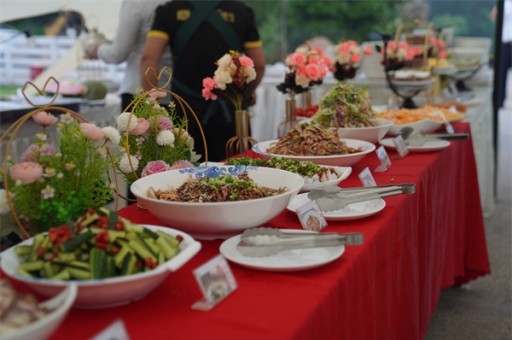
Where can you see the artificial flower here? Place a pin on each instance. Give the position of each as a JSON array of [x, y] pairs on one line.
[[128, 163], [141, 127], [69, 166], [30, 155], [126, 121], [230, 79], [165, 138], [182, 164], [49, 172], [164, 123], [48, 192], [113, 138], [26, 172], [92, 132], [154, 167], [44, 118], [47, 150], [66, 118], [154, 95], [41, 136]]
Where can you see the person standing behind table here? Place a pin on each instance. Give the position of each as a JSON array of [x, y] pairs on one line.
[[135, 19], [198, 34]]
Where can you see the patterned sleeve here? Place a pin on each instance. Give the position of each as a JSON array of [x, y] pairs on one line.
[[160, 27]]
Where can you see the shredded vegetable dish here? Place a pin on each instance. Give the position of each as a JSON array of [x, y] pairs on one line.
[[218, 189], [405, 116], [305, 169], [345, 106], [310, 139]]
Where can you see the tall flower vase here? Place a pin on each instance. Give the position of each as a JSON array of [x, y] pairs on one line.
[[306, 99], [239, 145], [290, 121]]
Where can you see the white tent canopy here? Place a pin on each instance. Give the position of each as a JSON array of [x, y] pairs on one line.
[[102, 14]]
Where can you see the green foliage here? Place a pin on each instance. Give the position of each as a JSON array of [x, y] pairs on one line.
[[75, 178]]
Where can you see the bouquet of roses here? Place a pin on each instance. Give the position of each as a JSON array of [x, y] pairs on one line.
[[306, 67], [348, 56], [437, 48], [234, 72], [54, 184], [153, 138], [397, 53]]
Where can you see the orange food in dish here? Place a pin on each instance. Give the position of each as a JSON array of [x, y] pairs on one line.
[[406, 116]]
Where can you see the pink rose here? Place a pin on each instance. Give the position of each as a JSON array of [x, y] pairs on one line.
[[327, 61], [246, 61], [92, 132], [209, 83], [208, 94], [181, 164], [355, 58], [442, 54], [44, 118], [154, 167], [295, 59], [141, 127], [367, 50], [313, 59], [441, 43], [313, 72], [26, 172], [157, 95]]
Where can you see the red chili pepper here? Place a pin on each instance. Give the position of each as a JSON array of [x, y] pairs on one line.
[[113, 250], [59, 234], [103, 237], [150, 263], [99, 244], [179, 238], [119, 226]]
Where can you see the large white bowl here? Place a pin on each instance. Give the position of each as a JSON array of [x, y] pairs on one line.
[[339, 160], [58, 307], [425, 125], [215, 220], [371, 134], [103, 293]]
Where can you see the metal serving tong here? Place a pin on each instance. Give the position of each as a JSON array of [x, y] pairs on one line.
[[418, 138], [335, 198], [260, 242]]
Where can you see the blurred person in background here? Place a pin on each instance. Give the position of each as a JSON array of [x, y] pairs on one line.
[[135, 19], [198, 34]]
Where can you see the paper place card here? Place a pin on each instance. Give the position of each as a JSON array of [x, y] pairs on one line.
[[116, 330], [366, 178], [400, 146], [216, 282], [385, 162], [311, 216]]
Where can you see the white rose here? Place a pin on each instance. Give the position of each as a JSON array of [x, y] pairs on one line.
[[302, 80], [124, 164], [224, 61], [222, 78], [401, 54], [250, 73]]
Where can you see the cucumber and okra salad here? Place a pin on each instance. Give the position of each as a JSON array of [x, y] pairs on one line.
[[100, 244]]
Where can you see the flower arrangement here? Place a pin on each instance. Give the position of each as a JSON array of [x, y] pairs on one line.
[[234, 72], [153, 138], [348, 56], [437, 48], [54, 184], [306, 67], [398, 53]]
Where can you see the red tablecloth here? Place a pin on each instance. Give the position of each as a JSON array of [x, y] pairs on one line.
[[384, 289]]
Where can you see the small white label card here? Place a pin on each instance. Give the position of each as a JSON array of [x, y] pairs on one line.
[[400, 146], [311, 216], [115, 331], [216, 282], [385, 162], [366, 178]]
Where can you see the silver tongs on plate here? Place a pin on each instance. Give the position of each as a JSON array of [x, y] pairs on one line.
[[260, 242], [336, 198], [419, 138]]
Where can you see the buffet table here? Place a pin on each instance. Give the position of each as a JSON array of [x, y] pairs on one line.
[[387, 288]]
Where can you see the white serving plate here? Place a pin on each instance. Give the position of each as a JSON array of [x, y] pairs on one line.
[[425, 125], [353, 211], [342, 171], [429, 146], [103, 293], [339, 160], [215, 220], [370, 134], [286, 261], [43, 328]]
